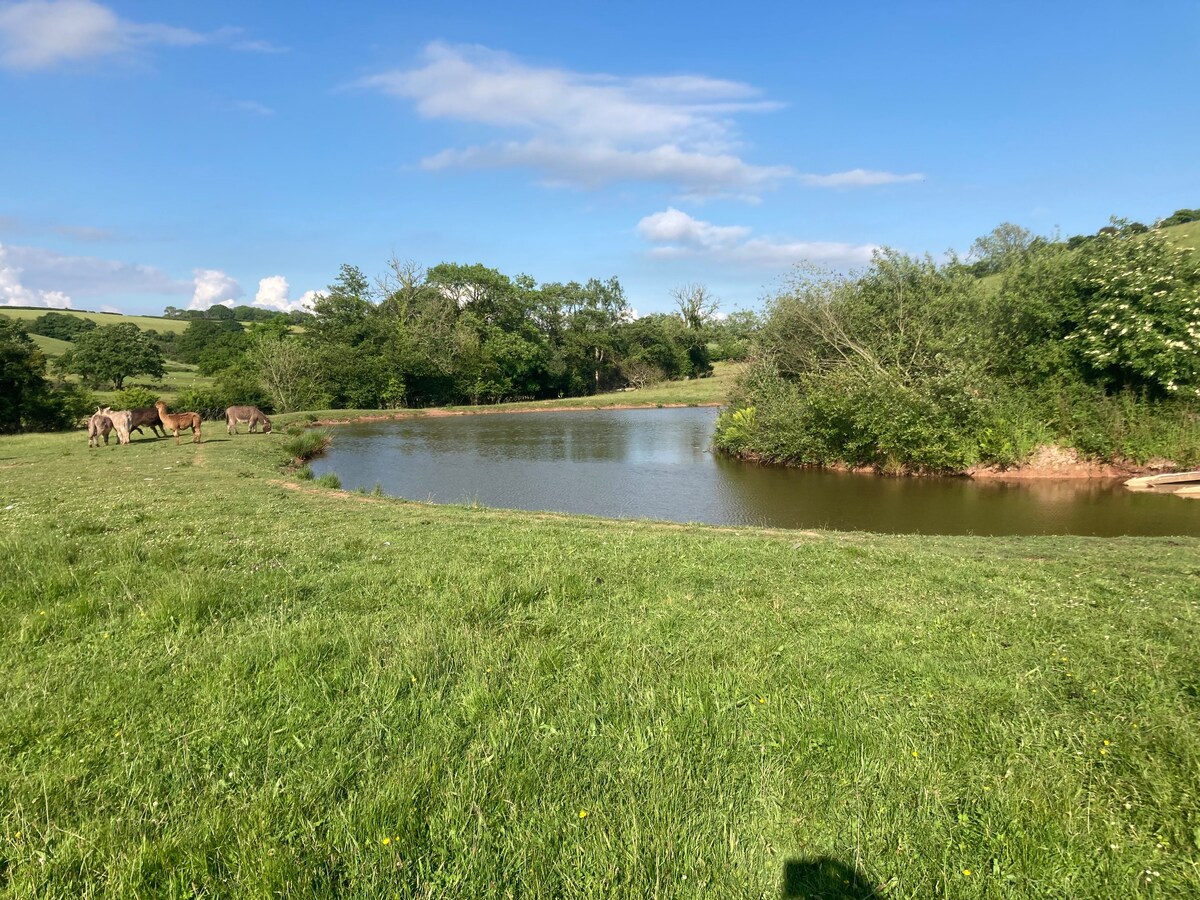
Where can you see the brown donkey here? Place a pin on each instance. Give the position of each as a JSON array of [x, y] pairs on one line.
[[177, 421], [99, 424]]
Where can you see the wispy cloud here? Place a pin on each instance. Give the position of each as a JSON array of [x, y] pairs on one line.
[[13, 291], [859, 178], [41, 34], [86, 233], [47, 271], [591, 166], [677, 235], [253, 106], [590, 129], [587, 129]]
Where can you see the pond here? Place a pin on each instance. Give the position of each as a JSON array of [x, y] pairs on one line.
[[657, 464]]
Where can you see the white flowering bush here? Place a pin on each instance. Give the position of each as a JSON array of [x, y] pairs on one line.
[[1141, 306]]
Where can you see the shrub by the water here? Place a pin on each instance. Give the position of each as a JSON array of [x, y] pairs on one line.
[[329, 480], [307, 444]]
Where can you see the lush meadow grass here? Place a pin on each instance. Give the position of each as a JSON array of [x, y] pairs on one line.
[[217, 681], [712, 391], [51, 347]]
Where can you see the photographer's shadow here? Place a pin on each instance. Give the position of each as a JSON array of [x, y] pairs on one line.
[[825, 878]]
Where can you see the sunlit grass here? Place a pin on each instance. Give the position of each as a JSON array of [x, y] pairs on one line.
[[712, 391], [145, 323], [218, 681]]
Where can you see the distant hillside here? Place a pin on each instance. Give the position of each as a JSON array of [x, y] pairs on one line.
[[52, 347], [1184, 235], [28, 314]]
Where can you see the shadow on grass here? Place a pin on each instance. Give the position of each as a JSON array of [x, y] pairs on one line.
[[825, 878]]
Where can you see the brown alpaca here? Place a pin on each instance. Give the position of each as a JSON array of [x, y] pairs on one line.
[[177, 421]]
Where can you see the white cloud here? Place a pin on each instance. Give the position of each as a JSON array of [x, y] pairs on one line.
[[703, 174], [89, 276], [14, 293], [586, 129], [673, 226], [859, 178], [253, 106], [273, 294], [214, 288], [39, 34], [677, 235]]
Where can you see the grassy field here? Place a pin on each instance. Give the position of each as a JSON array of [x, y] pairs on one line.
[[696, 392], [145, 323], [1186, 235], [219, 681], [52, 347]]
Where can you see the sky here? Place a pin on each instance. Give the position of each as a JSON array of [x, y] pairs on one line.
[[185, 154]]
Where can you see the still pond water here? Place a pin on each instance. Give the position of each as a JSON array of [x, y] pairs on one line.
[[657, 464]]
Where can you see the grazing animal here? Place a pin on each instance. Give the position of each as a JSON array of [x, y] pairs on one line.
[[121, 422], [178, 421], [148, 416], [250, 414], [98, 424]]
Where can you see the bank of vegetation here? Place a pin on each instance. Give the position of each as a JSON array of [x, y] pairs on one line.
[[1090, 344]]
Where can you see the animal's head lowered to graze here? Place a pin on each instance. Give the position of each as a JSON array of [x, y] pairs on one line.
[[252, 415]]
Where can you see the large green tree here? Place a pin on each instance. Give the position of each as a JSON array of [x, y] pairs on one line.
[[22, 370], [111, 354], [27, 399]]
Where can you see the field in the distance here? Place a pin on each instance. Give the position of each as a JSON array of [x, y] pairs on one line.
[[146, 323], [218, 681]]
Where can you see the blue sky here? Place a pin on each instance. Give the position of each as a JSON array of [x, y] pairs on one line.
[[183, 154]]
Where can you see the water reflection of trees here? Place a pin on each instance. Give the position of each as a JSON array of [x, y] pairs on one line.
[[656, 463], [555, 437]]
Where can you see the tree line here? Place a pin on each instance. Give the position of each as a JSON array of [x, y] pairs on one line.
[[452, 334], [457, 334]]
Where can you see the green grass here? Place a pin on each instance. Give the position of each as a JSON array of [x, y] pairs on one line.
[[219, 682], [1185, 235], [696, 392], [52, 347]]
